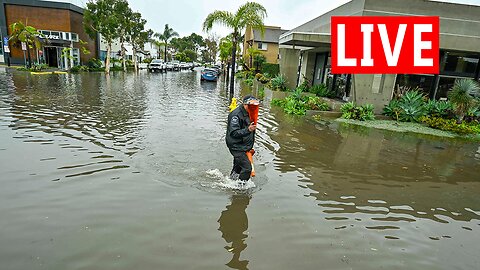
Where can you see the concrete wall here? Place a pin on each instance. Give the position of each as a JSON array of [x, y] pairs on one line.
[[308, 66], [374, 89], [289, 65]]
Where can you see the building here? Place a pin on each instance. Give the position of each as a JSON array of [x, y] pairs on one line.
[[62, 25], [308, 57], [266, 43]]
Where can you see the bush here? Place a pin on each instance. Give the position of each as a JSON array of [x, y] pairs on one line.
[[95, 64], [451, 125], [147, 60], [409, 108], [351, 111], [76, 69], [297, 104], [316, 103], [261, 93], [279, 83], [439, 108], [272, 69], [321, 90], [248, 81]]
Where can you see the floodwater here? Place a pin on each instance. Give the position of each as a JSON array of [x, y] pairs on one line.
[[128, 172]]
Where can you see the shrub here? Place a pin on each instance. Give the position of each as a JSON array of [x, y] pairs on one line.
[[279, 83], [439, 108], [451, 125], [261, 93], [278, 102], [79, 68], [351, 111], [461, 96], [409, 108], [272, 69], [248, 81], [316, 103], [321, 90]]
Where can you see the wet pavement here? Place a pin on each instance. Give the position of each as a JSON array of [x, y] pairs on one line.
[[126, 171]]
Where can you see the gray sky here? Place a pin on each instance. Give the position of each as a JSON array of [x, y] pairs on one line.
[[187, 16]]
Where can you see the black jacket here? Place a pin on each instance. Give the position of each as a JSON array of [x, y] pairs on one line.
[[238, 137]]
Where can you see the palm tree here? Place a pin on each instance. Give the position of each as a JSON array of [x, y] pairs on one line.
[[167, 34], [20, 32], [461, 96], [249, 14]]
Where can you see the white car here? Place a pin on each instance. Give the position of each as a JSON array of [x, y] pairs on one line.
[[176, 65], [157, 65], [169, 66]]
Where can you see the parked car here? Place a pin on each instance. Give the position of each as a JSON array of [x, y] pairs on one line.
[[209, 74], [157, 65], [169, 66], [176, 65]]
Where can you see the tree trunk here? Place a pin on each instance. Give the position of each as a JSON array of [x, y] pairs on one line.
[[234, 54], [107, 61], [227, 72], [135, 64], [122, 48], [165, 55], [29, 57]]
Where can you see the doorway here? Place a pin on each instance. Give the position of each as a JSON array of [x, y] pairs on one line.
[[51, 56]]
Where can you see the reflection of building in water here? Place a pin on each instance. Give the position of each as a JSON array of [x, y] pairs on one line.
[[360, 170], [233, 225]]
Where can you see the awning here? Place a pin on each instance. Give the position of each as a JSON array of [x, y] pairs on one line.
[[306, 39]]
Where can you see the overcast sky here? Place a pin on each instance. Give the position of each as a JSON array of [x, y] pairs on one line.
[[187, 16]]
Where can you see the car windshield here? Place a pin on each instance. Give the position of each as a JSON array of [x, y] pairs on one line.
[[157, 62]]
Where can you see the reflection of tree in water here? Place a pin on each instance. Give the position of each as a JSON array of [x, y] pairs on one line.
[[233, 225], [106, 111]]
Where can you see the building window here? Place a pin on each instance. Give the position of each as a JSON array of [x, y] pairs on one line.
[[424, 83], [76, 56], [74, 37], [262, 46], [1, 45], [458, 63], [103, 55], [445, 84]]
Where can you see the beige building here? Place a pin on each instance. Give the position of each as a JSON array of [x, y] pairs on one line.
[[309, 54], [267, 43]]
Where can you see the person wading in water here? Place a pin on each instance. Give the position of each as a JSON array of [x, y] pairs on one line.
[[240, 138]]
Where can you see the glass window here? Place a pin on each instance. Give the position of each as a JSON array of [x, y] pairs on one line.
[[444, 86], [76, 56], [458, 63], [67, 36], [103, 55], [74, 37], [407, 81], [262, 46], [1, 45]]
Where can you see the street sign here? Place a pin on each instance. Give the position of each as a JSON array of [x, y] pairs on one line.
[[24, 46]]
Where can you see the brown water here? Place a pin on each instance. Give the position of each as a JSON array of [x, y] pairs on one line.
[[127, 172]]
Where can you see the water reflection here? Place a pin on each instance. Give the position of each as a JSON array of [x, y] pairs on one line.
[[233, 225], [379, 180]]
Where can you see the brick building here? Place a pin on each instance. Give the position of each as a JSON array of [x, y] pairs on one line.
[[61, 23]]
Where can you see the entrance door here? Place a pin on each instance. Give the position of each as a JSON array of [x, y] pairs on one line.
[[51, 56], [320, 66]]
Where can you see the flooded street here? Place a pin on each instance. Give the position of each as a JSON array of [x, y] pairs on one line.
[[128, 172]]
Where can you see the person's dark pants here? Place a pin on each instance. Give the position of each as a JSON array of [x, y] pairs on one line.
[[241, 165]]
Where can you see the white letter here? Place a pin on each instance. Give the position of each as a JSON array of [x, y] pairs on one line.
[[367, 30], [420, 45], [342, 61], [392, 58]]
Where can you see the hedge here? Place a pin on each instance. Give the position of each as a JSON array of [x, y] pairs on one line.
[[271, 69]]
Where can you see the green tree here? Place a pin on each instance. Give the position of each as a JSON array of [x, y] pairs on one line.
[[125, 24], [102, 17], [20, 32], [249, 14], [209, 54], [462, 96], [167, 34], [137, 36]]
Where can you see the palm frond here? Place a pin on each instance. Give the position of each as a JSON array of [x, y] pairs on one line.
[[224, 18]]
